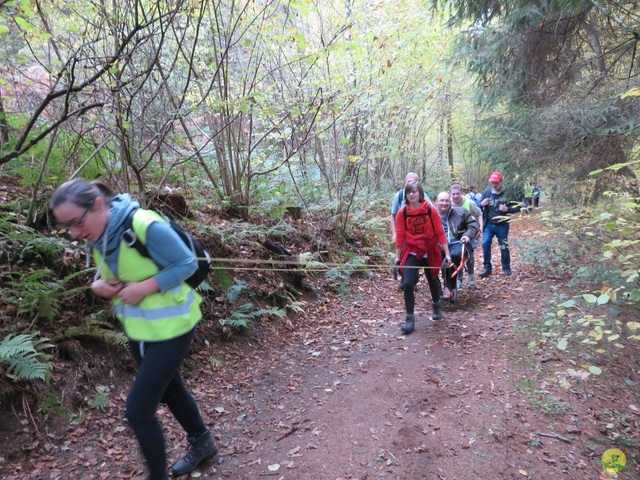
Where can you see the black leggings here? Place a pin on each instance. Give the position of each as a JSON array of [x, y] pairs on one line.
[[158, 380], [410, 276]]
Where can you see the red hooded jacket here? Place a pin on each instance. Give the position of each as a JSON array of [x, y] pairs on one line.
[[420, 231]]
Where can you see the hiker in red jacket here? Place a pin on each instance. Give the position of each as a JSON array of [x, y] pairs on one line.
[[420, 240]]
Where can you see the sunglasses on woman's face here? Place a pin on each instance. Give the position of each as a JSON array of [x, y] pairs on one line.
[[75, 223], [411, 192]]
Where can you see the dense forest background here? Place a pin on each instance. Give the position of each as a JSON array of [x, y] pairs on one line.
[[314, 102], [255, 109]]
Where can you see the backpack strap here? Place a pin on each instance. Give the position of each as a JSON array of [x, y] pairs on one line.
[[428, 214], [130, 238]]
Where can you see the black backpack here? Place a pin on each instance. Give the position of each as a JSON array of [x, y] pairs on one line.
[[204, 261]]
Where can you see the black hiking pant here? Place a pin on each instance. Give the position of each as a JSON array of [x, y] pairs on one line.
[[158, 380], [410, 276]]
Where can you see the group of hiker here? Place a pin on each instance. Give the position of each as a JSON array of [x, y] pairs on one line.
[[441, 238], [144, 268]]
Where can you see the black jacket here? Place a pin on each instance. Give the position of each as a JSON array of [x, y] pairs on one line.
[[491, 213], [461, 223]]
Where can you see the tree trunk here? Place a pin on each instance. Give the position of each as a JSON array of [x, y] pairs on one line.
[[4, 126]]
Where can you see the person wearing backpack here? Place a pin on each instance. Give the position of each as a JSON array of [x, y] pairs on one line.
[[157, 308], [397, 203], [420, 240], [474, 195]]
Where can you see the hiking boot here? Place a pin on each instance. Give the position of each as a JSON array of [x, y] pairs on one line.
[[485, 273], [202, 448], [472, 280], [506, 272], [401, 285], [409, 324], [447, 294], [437, 311]]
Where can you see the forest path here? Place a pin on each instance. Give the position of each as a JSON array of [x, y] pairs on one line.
[[347, 396], [342, 394]]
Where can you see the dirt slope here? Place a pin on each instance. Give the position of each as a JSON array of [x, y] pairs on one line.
[[341, 394]]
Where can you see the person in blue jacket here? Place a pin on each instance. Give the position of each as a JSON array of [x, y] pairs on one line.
[[157, 309], [537, 191], [497, 208]]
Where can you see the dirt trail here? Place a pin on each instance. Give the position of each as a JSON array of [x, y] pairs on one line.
[[443, 402], [343, 395]]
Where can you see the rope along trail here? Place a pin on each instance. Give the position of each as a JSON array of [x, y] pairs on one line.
[[307, 267]]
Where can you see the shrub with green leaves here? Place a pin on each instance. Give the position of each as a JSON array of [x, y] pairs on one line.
[[548, 255]]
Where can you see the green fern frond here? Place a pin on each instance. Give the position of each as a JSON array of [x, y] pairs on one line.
[[234, 291], [237, 323], [12, 346], [23, 356], [27, 367], [205, 287], [297, 306], [245, 307], [97, 326], [117, 338], [308, 261], [278, 312]]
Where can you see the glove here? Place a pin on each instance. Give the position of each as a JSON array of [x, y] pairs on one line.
[[395, 269]]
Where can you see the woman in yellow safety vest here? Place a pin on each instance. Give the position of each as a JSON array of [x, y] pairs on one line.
[[157, 309]]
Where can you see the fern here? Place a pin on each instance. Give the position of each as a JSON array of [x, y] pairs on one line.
[[308, 261], [33, 294], [234, 291], [100, 400], [357, 266], [237, 321], [23, 356], [297, 306], [97, 326], [51, 406], [205, 287], [117, 338], [242, 319]]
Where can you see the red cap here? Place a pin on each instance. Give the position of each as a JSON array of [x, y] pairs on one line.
[[495, 177]]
